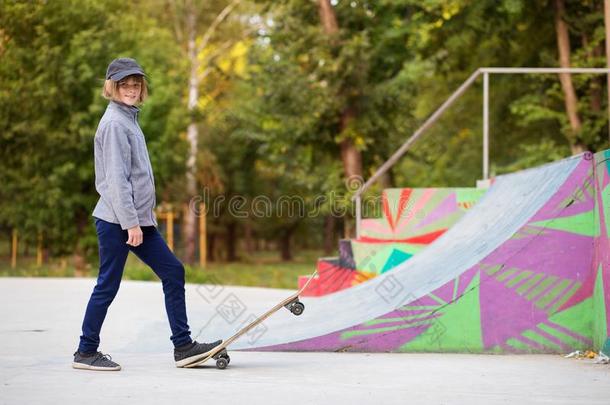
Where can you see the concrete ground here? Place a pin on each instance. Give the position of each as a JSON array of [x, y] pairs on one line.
[[41, 323]]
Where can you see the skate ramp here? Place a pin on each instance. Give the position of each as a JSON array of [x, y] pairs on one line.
[[509, 204]]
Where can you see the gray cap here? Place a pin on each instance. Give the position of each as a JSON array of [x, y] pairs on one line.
[[123, 67]]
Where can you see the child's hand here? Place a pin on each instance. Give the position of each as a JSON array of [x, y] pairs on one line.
[[135, 236]]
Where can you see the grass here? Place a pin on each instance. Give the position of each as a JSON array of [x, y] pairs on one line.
[[262, 269]]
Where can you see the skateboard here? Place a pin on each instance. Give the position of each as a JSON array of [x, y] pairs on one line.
[[219, 353]]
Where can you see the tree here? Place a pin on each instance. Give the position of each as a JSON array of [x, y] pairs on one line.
[[350, 155], [54, 57], [195, 23], [571, 100], [607, 32]]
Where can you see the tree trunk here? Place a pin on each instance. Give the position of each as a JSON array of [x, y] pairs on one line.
[[285, 245], [190, 220], [386, 179], [350, 155], [231, 241], [352, 159], [328, 17], [352, 167], [249, 239], [570, 98], [78, 258], [607, 26], [329, 235], [211, 245], [348, 228]]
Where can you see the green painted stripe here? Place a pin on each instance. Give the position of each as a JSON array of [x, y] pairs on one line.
[[530, 334], [519, 345], [565, 297], [352, 333], [529, 283], [525, 232], [579, 223], [437, 299], [456, 284], [567, 339], [550, 296], [397, 319], [491, 270], [521, 276], [506, 274], [541, 287]]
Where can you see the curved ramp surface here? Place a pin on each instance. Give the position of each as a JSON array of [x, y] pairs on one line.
[[401, 310]]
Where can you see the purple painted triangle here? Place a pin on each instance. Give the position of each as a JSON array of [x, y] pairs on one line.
[[602, 253], [504, 313], [553, 252], [552, 208]]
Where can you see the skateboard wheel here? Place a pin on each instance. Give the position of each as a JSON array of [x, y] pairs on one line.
[[222, 363], [297, 308], [225, 356]]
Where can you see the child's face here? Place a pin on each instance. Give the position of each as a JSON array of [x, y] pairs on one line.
[[129, 91]]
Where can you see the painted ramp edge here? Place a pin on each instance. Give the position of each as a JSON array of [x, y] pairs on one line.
[[601, 289], [328, 321]]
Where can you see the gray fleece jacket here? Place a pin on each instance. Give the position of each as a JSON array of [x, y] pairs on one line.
[[123, 173]]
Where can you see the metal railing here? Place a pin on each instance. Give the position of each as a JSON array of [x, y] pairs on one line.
[[485, 72]]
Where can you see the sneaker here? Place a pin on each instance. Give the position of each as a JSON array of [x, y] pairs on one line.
[[185, 355], [94, 361]]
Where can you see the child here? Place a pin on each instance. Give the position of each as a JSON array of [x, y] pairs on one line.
[[125, 220]]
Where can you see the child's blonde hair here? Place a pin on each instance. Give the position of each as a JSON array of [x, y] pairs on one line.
[[111, 88]]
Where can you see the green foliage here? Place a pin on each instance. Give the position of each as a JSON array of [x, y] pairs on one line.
[[533, 155], [54, 57], [272, 102]]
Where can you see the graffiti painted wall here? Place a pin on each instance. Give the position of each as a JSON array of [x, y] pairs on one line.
[[601, 264], [544, 290], [412, 218]]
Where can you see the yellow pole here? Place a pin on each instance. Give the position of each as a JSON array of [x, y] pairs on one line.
[[170, 228], [202, 236], [14, 249], [39, 250]]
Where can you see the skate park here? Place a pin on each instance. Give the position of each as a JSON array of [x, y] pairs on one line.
[[470, 261], [521, 274]]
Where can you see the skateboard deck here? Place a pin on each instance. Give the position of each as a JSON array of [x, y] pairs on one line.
[[219, 353]]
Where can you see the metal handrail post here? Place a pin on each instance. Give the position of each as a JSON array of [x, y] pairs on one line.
[[358, 215], [485, 126]]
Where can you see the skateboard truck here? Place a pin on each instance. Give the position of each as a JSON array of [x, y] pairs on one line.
[[222, 359], [295, 306]]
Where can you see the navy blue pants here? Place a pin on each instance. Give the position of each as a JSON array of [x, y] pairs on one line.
[[113, 253]]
